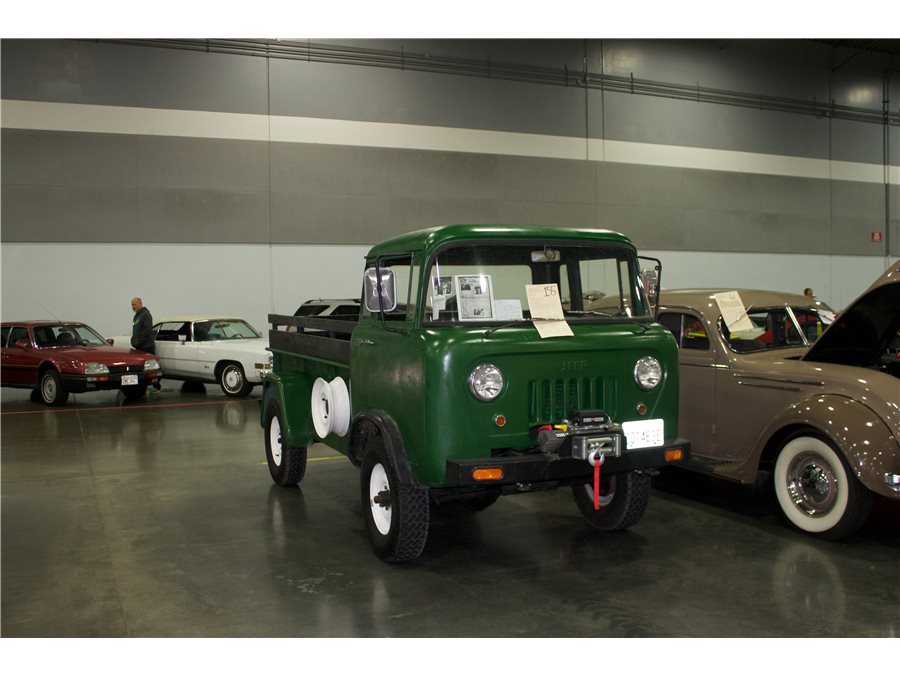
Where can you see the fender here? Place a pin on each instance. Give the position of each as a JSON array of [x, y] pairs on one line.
[[859, 433], [371, 422], [298, 428]]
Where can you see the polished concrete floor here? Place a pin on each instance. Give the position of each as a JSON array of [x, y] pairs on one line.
[[159, 519]]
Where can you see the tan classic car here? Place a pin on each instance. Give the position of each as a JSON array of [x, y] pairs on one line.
[[824, 420]]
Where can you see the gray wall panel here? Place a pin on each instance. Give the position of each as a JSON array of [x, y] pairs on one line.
[[217, 216], [370, 94], [41, 213], [201, 163], [319, 218], [552, 181], [78, 71], [442, 175], [298, 167], [688, 123], [63, 158]]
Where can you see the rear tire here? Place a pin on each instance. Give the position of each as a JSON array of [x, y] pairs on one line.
[[396, 515], [287, 463], [623, 500], [52, 390]]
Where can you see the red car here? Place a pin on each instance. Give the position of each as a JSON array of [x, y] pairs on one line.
[[55, 358]]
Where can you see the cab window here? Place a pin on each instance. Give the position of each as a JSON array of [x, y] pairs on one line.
[[688, 330]]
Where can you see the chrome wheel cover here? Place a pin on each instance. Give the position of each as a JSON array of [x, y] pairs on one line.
[[812, 484], [232, 378]]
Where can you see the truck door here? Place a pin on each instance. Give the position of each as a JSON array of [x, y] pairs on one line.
[[384, 360]]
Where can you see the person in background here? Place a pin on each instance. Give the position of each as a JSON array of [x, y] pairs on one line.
[[808, 292], [142, 333]]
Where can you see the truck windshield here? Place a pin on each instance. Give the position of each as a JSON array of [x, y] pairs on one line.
[[486, 283]]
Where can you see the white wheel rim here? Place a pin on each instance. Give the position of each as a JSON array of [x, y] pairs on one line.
[[275, 440], [378, 484], [811, 484]]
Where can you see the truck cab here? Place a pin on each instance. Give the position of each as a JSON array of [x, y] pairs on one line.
[[478, 367]]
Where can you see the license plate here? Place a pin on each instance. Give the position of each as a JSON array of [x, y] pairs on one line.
[[129, 379], [644, 434]]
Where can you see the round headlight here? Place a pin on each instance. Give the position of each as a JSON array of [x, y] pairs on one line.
[[647, 373], [486, 382], [94, 368], [151, 364]]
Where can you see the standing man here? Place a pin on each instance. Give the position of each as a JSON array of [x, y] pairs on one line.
[[142, 332]]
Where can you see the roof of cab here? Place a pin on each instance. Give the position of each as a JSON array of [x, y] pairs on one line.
[[435, 237]]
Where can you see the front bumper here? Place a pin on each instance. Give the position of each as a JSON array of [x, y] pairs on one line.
[[81, 383], [542, 467]]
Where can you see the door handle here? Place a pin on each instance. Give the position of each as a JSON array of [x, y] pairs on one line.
[[363, 341]]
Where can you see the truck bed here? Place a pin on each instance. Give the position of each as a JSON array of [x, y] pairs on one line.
[[326, 338]]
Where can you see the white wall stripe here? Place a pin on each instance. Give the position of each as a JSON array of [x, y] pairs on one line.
[[200, 124]]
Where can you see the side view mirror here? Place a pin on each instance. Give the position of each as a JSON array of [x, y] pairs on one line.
[[110, 341], [22, 344], [651, 280], [182, 339], [380, 294]]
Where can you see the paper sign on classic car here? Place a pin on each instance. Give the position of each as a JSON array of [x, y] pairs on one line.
[[823, 419]]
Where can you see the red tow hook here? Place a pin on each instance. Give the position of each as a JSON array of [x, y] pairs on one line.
[[596, 459]]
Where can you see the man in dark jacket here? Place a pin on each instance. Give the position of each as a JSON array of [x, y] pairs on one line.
[[142, 333], [142, 327]]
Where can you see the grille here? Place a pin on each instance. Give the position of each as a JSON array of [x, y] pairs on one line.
[[553, 400], [126, 369]]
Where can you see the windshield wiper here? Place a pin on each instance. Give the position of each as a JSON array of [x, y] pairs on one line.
[[517, 322]]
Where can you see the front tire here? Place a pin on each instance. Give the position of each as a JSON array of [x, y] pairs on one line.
[[233, 381], [287, 463], [623, 499], [816, 489], [396, 515], [53, 392]]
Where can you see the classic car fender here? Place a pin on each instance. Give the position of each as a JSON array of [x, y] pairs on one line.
[[297, 420], [861, 435]]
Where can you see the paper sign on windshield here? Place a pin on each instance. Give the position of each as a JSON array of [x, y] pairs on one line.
[[732, 308], [546, 310]]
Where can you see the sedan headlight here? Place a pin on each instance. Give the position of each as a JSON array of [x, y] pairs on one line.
[[151, 364], [647, 373], [94, 368], [486, 382]]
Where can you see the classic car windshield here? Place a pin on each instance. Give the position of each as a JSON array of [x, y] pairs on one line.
[[774, 328], [223, 329], [66, 335], [487, 283]]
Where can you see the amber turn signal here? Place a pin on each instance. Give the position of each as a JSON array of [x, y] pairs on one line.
[[674, 455], [493, 473]]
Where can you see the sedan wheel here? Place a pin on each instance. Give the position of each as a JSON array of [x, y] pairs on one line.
[[233, 381], [52, 390], [817, 490]]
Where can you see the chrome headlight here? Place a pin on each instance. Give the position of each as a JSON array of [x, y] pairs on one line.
[[94, 368], [486, 382], [647, 373], [151, 364]]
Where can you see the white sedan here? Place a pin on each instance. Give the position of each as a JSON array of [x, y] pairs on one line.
[[228, 351]]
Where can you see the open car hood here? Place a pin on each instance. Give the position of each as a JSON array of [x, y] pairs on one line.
[[866, 333]]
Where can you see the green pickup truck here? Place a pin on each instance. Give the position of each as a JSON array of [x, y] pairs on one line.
[[483, 361]]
